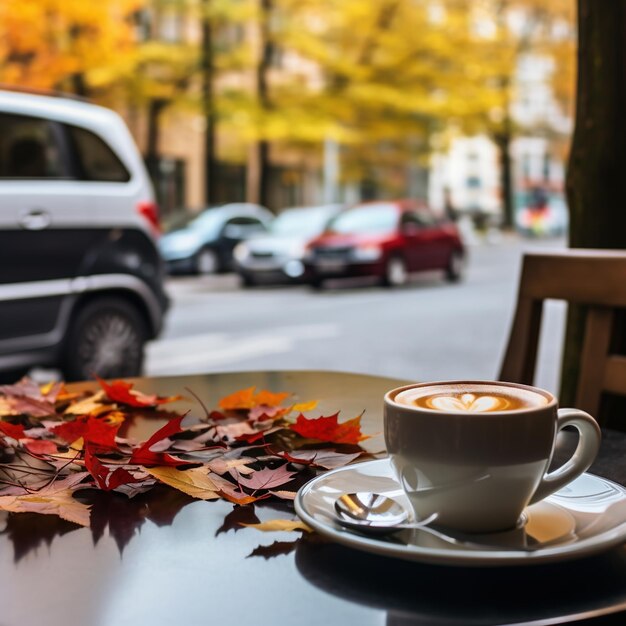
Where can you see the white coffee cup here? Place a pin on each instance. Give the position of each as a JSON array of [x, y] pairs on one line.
[[476, 453]]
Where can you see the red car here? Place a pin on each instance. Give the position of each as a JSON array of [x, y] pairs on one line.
[[387, 240]]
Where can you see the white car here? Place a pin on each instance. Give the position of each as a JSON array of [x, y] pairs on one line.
[[80, 278], [278, 255]]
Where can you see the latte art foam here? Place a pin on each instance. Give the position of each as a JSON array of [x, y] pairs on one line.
[[470, 398], [468, 402]]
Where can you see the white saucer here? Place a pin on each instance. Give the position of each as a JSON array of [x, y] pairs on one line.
[[586, 517]]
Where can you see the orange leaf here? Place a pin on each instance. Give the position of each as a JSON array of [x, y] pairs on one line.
[[243, 399], [240, 501], [267, 398], [328, 429]]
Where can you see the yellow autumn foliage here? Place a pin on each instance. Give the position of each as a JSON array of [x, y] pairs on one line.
[[43, 42]]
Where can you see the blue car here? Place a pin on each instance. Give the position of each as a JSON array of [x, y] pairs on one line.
[[204, 243]]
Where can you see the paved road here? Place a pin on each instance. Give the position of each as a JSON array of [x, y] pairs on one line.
[[430, 330]]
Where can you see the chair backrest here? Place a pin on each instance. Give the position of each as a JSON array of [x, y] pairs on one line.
[[593, 278]]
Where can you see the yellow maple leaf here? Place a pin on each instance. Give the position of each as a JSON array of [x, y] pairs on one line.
[[93, 405], [302, 407], [73, 452], [280, 524], [194, 482], [6, 408]]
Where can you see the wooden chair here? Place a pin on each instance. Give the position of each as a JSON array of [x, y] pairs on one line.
[[593, 278]]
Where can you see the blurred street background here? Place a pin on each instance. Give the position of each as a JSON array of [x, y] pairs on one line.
[[464, 104], [427, 330]]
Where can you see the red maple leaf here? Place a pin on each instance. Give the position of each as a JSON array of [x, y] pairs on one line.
[[328, 429], [95, 430], [70, 431], [40, 446], [101, 433], [216, 416], [267, 478], [328, 459], [106, 479], [144, 456], [123, 392], [16, 431]]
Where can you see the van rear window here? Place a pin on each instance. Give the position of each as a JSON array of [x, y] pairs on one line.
[[96, 161]]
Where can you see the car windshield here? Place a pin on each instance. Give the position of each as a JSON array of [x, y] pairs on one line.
[[184, 219], [208, 221], [372, 218], [300, 222]]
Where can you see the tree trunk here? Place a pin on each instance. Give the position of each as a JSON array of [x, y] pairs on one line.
[[503, 143], [153, 155], [79, 85], [257, 183], [596, 177], [155, 108], [77, 81], [208, 107]]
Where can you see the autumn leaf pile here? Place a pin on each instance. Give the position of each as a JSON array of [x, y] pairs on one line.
[[56, 444]]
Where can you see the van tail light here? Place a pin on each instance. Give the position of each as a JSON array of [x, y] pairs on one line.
[[150, 212]]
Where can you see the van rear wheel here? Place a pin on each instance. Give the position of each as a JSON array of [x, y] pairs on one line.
[[107, 339]]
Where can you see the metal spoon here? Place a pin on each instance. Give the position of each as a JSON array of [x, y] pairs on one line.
[[374, 513]]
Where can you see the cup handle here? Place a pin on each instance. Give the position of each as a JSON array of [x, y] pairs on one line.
[[586, 451]]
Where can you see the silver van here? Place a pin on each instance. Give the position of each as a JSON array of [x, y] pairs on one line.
[[81, 280]]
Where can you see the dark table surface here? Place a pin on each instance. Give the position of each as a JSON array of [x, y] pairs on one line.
[[163, 558]]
